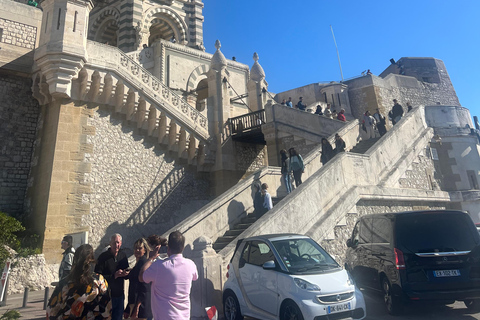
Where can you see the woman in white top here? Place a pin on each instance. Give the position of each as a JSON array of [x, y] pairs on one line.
[[267, 199]]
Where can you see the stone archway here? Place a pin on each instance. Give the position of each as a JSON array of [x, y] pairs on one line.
[[198, 85], [105, 27], [163, 23], [202, 94]]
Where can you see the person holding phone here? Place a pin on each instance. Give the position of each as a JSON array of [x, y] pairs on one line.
[[112, 265], [139, 293]]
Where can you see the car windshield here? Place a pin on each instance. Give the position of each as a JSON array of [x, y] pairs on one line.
[[304, 256], [425, 233]]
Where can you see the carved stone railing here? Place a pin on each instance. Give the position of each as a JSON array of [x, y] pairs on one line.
[[112, 60], [143, 57]]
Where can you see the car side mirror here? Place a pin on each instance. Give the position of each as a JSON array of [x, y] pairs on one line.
[[269, 265], [349, 243]]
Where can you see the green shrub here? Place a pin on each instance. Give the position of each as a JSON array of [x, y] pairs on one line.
[[10, 226], [11, 315]]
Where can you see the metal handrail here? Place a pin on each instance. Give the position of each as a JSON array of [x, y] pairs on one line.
[[246, 122]]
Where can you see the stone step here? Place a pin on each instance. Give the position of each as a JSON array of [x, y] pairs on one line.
[[364, 145], [235, 232]]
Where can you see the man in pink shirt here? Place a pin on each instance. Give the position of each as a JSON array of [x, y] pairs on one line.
[[171, 281]]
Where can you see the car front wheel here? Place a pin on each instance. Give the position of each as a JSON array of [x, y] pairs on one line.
[[392, 302], [231, 307], [472, 305], [291, 311]]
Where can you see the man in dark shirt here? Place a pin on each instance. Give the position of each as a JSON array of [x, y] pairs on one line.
[[67, 260], [300, 104], [397, 111], [113, 265]]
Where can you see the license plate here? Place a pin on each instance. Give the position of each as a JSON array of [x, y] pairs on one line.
[[446, 273], [339, 307]]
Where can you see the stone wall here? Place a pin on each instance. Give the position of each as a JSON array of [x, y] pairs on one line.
[[18, 34], [371, 92], [337, 246], [136, 188], [18, 117], [31, 272], [250, 157], [421, 174]]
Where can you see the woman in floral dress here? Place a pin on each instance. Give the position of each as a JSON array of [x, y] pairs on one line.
[[82, 294]]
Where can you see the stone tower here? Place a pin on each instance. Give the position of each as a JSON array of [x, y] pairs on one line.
[[131, 24]]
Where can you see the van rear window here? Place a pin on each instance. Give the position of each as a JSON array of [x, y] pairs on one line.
[[442, 232]]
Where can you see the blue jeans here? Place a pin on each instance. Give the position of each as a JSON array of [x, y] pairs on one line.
[[117, 307], [288, 183]]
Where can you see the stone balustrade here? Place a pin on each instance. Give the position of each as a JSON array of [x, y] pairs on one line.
[[113, 61], [112, 78]]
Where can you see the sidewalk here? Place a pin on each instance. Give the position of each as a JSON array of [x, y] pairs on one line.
[[34, 308]]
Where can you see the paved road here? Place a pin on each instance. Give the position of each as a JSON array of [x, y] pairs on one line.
[[33, 310], [375, 309], [416, 311]]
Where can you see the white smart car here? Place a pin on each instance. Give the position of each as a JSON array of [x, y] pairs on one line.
[[288, 276]]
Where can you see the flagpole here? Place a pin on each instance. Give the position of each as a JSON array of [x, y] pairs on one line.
[[338, 55]]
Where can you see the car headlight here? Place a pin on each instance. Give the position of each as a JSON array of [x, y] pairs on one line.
[[350, 280], [305, 285]]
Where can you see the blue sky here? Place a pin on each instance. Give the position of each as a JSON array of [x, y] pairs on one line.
[[295, 45]]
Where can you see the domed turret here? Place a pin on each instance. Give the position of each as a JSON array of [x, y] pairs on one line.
[[218, 61], [257, 73]]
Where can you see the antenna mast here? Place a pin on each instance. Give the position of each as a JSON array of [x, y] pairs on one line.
[[338, 55]]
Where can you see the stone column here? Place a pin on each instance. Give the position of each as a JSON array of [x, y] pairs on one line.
[[207, 290], [257, 86], [57, 180], [195, 24], [62, 46]]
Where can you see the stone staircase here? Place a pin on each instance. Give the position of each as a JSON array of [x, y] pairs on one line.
[[113, 79], [234, 232], [364, 145], [237, 229]]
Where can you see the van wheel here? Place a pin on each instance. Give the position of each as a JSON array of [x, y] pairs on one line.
[[231, 307], [472, 305], [393, 303], [290, 311]]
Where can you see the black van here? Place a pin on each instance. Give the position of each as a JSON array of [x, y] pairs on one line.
[[418, 255]]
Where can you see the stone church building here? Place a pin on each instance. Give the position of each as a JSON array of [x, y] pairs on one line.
[[115, 118]]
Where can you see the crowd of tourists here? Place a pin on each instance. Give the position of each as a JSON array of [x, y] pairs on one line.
[[328, 112], [159, 281]]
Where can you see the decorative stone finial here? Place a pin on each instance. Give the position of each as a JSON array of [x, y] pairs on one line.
[[257, 73], [218, 61]]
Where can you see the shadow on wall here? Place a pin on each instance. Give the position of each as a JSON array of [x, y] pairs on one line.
[[179, 194], [233, 208]]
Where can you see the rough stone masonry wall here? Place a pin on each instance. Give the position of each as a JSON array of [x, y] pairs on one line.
[[136, 188], [421, 174], [338, 247], [18, 34], [427, 94], [18, 121], [31, 272]]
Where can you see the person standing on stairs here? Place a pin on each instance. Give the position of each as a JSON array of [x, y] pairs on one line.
[[267, 198], [286, 170], [296, 166], [369, 123], [339, 144], [301, 105], [381, 122], [397, 111], [327, 151], [258, 201]]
